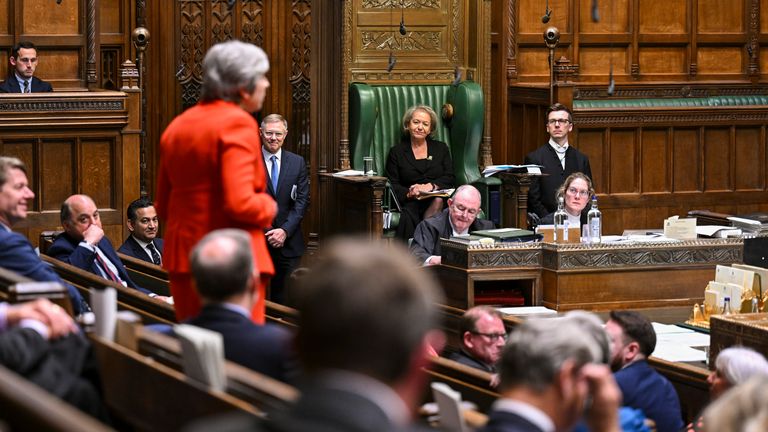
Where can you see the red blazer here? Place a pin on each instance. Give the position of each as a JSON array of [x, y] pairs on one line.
[[211, 176]]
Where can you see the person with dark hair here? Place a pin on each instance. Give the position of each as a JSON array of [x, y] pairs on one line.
[[143, 242], [482, 336], [632, 342], [16, 253], [559, 159], [367, 317], [24, 63], [84, 245], [289, 186], [224, 273], [211, 174], [576, 191], [416, 165]]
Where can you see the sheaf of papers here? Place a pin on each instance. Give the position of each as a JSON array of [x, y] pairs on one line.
[[678, 344], [634, 238], [718, 231], [494, 169], [527, 310], [348, 173]]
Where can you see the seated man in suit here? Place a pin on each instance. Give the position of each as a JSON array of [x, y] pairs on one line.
[[367, 321], [459, 218], [559, 159], [288, 185], [143, 224], [16, 254], [83, 244], [223, 269], [24, 61], [482, 335], [633, 341], [553, 374], [40, 342]]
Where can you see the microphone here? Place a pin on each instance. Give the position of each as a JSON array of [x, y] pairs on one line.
[[456, 76], [403, 31], [392, 61], [595, 12], [611, 83], [547, 14]]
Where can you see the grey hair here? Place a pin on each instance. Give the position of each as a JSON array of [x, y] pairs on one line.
[[274, 118], [8, 163], [538, 348], [427, 109], [469, 189], [231, 66], [738, 364], [740, 409]]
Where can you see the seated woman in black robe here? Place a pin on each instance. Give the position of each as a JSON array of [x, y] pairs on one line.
[[416, 165]]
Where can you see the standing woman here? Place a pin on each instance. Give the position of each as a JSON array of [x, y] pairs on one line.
[[211, 174], [416, 165]]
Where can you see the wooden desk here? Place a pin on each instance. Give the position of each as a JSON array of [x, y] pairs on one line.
[[634, 276], [355, 205], [596, 278]]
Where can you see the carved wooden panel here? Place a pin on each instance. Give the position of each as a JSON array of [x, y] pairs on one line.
[[749, 157], [623, 161], [686, 160], [5, 17], [57, 166], [651, 21], [43, 17], [720, 16], [717, 163]]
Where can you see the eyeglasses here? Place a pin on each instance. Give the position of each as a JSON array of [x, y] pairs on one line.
[[492, 336], [581, 193], [458, 208], [556, 121], [277, 135]]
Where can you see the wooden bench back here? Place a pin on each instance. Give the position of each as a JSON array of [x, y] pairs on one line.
[[151, 396], [26, 406]]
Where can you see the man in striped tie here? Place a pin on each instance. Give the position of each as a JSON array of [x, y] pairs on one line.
[[143, 243], [24, 63]]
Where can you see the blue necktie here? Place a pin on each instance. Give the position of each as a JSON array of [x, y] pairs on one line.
[[275, 173]]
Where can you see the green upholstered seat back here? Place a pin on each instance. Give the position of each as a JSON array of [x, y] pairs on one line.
[[376, 113]]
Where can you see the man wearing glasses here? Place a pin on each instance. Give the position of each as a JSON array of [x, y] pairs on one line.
[[559, 160], [287, 183], [24, 61], [483, 336], [459, 218]]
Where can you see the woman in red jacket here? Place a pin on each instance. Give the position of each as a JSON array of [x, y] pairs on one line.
[[211, 174]]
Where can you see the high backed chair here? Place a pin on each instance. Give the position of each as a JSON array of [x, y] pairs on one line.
[[375, 125]]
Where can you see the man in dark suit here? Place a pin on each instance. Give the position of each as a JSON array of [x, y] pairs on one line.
[[458, 219], [483, 336], [287, 184], [143, 224], [223, 270], [642, 387], [24, 61], [367, 322], [83, 244], [16, 254], [553, 373], [559, 159]]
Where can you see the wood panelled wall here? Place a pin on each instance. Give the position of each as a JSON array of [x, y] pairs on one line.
[[646, 168]]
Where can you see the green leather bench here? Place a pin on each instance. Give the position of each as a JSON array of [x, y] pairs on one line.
[[711, 101], [375, 116]]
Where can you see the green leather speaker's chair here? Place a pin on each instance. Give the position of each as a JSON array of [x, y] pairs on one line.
[[376, 113]]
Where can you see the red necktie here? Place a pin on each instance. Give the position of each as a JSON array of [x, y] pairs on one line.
[[113, 277]]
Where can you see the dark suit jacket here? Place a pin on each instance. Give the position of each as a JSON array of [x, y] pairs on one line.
[[11, 85], [644, 388], [426, 238], [467, 360], [541, 195], [403, 171], [17, 255], [66, 249], [263, 348], [64, 367], [132, 248], [290, 210], [503, 421]]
